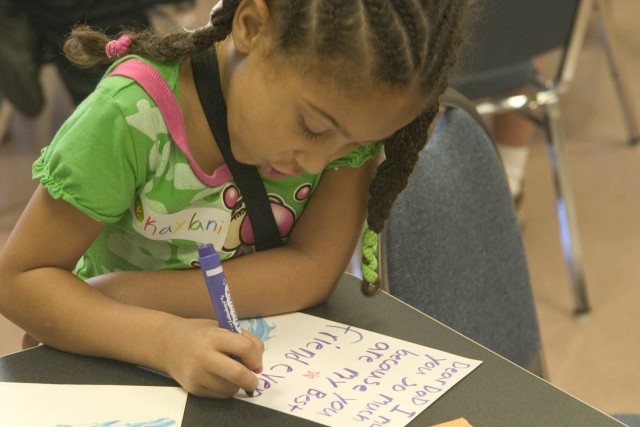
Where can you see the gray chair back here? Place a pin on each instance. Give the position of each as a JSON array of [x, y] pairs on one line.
[[453, 247]]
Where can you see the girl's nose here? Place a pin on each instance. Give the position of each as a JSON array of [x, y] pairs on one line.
[[314, 160]]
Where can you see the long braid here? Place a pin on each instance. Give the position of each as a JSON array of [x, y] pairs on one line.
[[86, 47], [401, 155], [403, 148]]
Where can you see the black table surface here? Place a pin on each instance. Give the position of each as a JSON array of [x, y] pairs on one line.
[[497, 393]]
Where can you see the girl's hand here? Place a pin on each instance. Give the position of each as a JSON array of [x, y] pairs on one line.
[[197, 355]]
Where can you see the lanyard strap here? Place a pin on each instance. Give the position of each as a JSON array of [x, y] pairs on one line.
[[207, 80]]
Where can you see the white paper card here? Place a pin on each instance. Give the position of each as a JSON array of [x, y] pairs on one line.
[[339, 375], [70, 405]]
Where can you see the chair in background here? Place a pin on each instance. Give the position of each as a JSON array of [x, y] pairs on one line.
[[496, 60], [452, 246]]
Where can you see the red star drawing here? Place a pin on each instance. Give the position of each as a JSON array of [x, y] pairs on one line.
[[311, 375]]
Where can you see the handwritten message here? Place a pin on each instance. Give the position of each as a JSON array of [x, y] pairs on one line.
[[339, 375]]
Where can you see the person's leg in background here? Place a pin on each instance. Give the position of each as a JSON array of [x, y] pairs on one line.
[[55, 19], [35, 32], [19, 59], [513, 133]]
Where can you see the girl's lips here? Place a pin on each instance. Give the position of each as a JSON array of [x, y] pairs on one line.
[[270, 172]]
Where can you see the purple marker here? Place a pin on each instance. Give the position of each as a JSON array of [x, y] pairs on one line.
[[218, 291], [217, 287]]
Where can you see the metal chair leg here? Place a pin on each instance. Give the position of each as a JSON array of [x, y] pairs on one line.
[[6, 111], [609, 44], [569, 234]]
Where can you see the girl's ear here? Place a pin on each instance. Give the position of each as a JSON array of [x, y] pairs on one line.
[[251, 21]]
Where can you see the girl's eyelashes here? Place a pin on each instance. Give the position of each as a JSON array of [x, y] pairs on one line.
[[315, 136], [308, 133]]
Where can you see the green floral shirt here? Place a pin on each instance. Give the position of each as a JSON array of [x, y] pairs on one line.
[[115, 161]]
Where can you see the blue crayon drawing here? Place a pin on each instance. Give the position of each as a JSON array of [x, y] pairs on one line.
[[160, 422], [260, 328]]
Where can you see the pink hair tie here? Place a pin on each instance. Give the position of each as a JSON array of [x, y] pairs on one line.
[[118, 48]]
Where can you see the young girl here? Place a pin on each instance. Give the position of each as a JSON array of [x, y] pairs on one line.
[[100, 261]]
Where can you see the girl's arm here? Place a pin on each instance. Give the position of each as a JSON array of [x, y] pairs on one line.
[[39, 293], [290, 278]]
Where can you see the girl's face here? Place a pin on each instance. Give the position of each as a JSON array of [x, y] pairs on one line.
[[288, 122]]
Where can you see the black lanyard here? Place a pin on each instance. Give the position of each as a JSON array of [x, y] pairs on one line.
[[207, 80]]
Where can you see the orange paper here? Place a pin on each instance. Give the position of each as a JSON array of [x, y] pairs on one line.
[[460, 422]]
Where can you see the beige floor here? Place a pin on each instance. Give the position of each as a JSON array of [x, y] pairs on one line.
[[595, 358]]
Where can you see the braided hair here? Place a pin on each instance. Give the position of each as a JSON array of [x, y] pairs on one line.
[[399, 40]]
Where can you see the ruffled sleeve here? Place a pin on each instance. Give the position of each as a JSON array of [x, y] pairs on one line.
[[357, 157], [93, 162]]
